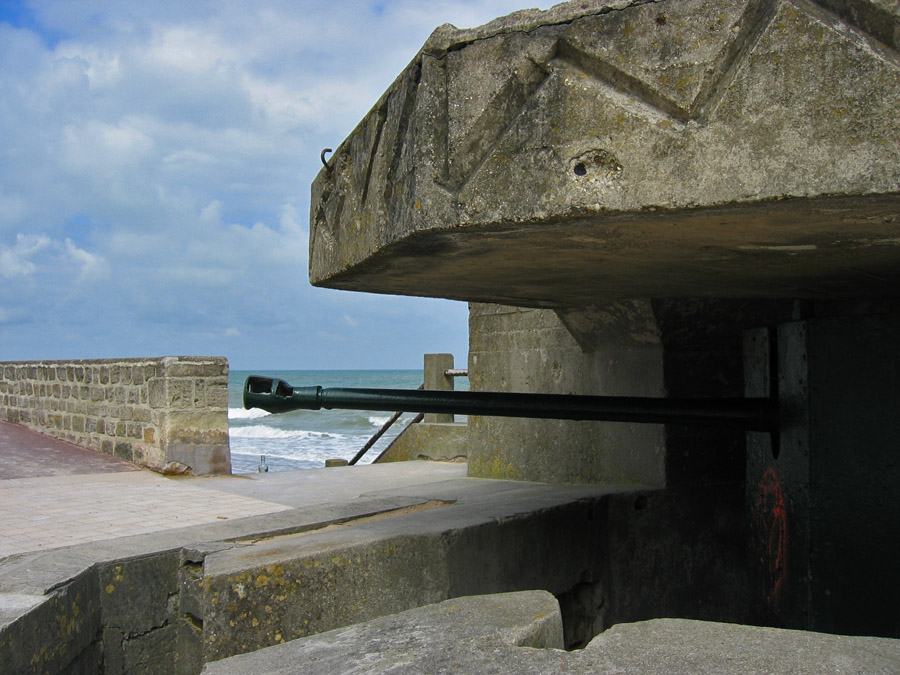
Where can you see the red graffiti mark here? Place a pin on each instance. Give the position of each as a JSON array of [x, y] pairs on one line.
[[772, 528]]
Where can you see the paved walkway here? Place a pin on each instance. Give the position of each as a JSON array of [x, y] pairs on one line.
[[55, 494], [26, 454]]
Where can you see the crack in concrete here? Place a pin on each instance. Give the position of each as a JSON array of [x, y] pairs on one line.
[[352, 521]]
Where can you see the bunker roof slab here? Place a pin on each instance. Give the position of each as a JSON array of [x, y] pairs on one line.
[[610, 150]]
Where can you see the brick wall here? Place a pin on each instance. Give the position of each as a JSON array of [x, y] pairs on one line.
[[168, 413]]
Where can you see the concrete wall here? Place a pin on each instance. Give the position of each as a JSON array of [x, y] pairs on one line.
[[822, 499], [658, 348], [438, 441], [530, 350], [438, 436], [115, 617], [169, 414], [169, 602]]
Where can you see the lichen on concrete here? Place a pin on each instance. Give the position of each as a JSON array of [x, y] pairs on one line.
[[610, 151]]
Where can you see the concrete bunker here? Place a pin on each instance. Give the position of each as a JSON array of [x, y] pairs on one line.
[[669, 199], [664, 199], [172, 602]]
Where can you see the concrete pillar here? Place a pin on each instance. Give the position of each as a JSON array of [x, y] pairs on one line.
[[822, 496], [532, 351], [435, 379]]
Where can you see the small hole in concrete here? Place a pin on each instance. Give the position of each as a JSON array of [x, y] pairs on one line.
[[580, 169], [640, 503]]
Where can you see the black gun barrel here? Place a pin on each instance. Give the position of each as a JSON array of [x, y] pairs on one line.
[[752, 414]]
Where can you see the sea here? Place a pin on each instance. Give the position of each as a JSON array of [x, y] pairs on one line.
[[304, 439]]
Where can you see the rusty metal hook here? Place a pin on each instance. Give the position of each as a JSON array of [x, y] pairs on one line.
[[324, 161]]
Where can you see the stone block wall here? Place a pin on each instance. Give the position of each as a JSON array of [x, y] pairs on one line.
[[168, 414]]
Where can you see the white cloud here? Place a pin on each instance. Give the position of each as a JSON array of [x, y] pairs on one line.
[[99, 147], [190, 49], [92, 267], [199, 276], [170, 146], [211, 214], [189, 158], [101, 66], [127, 246], [16, 261]]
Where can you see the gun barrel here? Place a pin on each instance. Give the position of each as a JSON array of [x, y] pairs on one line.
[[752, 414]]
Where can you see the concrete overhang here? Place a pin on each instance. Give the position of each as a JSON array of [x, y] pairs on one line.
[[610, 150]]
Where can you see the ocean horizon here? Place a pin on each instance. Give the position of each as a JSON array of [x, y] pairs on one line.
[[304, 439]]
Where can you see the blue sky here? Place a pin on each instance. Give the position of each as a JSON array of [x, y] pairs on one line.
[[155, 163]]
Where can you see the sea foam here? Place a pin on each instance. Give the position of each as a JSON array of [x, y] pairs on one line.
[[241, 414], [263, 431]]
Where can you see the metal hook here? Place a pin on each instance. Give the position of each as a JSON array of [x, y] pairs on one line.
[[324, 161]]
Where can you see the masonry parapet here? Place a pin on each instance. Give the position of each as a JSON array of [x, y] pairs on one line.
[[168, 413]]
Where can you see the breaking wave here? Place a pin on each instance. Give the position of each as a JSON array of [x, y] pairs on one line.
[[263, 431], [241, 414]]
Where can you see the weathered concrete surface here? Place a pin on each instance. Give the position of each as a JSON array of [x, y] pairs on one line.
[[615, 150], [437, 638], [527, 350], [139, 609], [653, 348], [46, 637], [652, 179], [518, 632], [436, 366], [129, 604], [609, 554], [467, 539], [683, 646], [170, 601], [439, 441]]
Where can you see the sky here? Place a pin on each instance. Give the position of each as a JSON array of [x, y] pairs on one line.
[[155, 167]]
